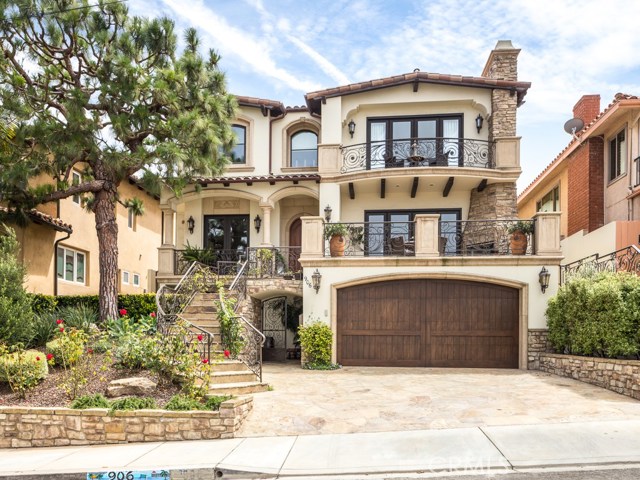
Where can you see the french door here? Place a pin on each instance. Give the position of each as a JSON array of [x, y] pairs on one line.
[[227, 234]]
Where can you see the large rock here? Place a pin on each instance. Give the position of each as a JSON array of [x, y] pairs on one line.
[[138, 386]]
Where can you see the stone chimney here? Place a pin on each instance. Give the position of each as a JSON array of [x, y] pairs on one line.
[[502, 63], [587, 108]]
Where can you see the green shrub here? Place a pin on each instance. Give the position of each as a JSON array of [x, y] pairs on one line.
[[81, 316], [22, 369], [90, 401], [597, 316], [213, 402], [230, 327], [138, 305], [16, 315], [43, 328], [126, 325], [133, 403], [67, 346], [101, 344], [315, 339], [135, 350], [182, 402]]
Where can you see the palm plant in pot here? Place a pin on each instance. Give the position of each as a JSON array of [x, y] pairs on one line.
[[519, 232], [336, 233]]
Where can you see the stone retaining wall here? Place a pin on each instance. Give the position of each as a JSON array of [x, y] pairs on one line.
[[54, 427], [537, 343], [621, 376]]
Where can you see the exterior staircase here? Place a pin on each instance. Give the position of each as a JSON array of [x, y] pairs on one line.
[[229, 377]]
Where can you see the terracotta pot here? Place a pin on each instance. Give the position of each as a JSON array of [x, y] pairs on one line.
[[336, 245], [518, 243]]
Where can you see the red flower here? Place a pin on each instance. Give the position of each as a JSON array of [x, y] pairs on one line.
[[89, 350], [61, 329], [205, 360], [37, 359], [200, 337], [49, 356], [59, 321], [152, 314], [227, 353], [123, 312]]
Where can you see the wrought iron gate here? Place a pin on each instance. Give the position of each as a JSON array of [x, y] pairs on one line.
[[274, 328]]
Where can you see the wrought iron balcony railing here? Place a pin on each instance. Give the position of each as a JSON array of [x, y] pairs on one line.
[[457, 238], [418, 152], [487, 237], [624, 260]]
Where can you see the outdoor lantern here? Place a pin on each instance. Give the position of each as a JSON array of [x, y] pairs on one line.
[[327, 213], [257, 222], [315, 279], [191, 224], [544, 277], [352, 127], [479, 121]]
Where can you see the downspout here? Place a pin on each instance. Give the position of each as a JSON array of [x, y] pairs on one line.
[[55, 269]]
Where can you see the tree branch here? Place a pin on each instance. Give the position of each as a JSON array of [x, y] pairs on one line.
[[92, 186]]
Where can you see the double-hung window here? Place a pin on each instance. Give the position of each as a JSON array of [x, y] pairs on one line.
[[71, 265], [617, 155], [239, 151]]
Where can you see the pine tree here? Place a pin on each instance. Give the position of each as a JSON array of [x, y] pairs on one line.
[[88, 87]]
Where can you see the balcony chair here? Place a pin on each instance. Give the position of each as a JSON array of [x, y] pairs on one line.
[[399, 248]]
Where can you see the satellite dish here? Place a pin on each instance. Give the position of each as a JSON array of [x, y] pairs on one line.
[[574, 125]]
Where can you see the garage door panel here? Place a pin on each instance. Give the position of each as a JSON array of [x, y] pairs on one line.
[[428, 322]]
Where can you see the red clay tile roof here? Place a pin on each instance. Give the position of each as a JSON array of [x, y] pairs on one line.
[[276, 107], [39, 217], [314, 98], [619, 97], [262, 178]]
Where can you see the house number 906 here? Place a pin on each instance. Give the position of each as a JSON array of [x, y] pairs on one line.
[[120, 475]]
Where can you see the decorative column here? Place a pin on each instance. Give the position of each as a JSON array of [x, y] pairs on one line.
[[266, 224], [166, 252]]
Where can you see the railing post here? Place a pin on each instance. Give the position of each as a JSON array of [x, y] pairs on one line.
[[427, 235], [312, 237], [166, 260], [547, 233]]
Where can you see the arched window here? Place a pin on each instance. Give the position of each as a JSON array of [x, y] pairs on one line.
[[304, 149]]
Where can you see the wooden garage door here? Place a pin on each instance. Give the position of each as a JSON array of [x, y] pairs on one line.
[[431, 323]]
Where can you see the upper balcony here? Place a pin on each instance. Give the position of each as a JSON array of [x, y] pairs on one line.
[[418, 152]]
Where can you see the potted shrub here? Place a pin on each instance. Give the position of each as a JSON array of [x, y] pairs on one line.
[[518, 241], [336, 234]]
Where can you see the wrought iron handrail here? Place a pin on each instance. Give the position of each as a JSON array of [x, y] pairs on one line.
[[486, 237], [273, 261], [418, 152], [220, 260], [625, 259]]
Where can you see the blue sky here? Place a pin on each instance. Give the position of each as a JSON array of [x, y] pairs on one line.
[[281, 49]]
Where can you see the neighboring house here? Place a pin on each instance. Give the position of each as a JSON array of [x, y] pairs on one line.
[[595, 181], [420, 170], [59, 246]]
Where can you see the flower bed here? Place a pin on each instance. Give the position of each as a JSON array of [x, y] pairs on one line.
[[620, 376], [48, 427]]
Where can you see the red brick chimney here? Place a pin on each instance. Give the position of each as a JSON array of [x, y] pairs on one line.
[[587, 108]]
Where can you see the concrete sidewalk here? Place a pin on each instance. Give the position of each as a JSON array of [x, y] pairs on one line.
[[479, 450]]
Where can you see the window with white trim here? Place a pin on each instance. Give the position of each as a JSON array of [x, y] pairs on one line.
[[75, 180], [618, 155], [71, 265], [304, 149], [131, 219], [136, 280], [125, 277]]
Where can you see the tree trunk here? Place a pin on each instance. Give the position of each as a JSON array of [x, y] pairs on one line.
[[107, 230]]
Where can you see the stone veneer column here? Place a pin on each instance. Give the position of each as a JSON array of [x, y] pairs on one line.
[[496, 201]]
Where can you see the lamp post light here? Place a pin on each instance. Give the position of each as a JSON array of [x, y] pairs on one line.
[[479, 121], [315, 280], [543, 278], [352, 127]]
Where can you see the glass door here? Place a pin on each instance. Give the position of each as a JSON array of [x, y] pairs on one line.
[[228, 235]]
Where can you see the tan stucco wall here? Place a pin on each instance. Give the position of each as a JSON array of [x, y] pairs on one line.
[[36, 252], [560, 177]]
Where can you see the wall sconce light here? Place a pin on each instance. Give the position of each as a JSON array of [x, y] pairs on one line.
[[315, 280], [191, 224], [543, 278], [327, 213], [352, 127], [257, 222], [479, 121]]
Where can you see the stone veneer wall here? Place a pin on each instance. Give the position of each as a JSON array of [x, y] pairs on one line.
[[537, 343], [621, 376], [251, 307], [496, 201], [55, 427]]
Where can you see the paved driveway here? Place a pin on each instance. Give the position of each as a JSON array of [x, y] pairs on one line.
[[372, 399]]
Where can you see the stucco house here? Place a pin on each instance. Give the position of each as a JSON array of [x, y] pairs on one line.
[[594, 183], [419, 172], [59, 245]]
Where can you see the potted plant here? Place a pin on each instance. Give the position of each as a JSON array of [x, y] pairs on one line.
[[336, 233], [519, 231], [356, 236]]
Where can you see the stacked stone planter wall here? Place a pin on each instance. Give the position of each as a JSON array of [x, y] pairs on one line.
[[621, 376], [49, 427]]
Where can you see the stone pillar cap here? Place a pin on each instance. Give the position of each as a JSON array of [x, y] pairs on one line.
[[504, 45]]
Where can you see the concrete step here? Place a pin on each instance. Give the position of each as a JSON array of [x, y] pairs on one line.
[[230, 366], [241, 388], [200, 309], [224, 378]]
